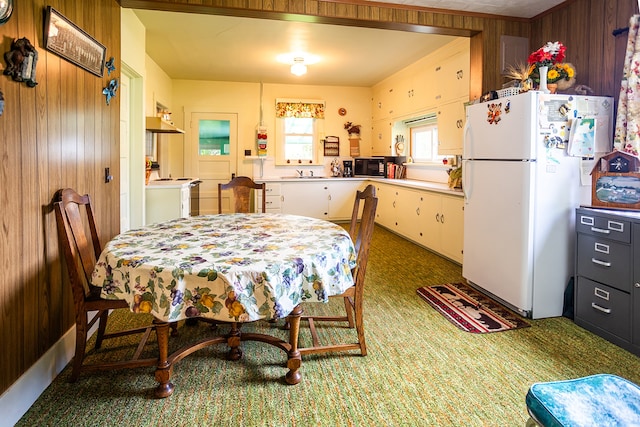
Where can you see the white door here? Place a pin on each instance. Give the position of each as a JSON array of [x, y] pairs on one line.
[[211, 153], [498, 227], [125, 149]]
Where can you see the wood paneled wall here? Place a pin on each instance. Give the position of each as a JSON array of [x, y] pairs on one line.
[[59, 134], [585, 27]]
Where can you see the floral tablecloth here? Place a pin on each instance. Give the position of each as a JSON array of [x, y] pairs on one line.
[[235, 267]]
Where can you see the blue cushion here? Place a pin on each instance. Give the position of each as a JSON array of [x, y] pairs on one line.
[[597, 400]]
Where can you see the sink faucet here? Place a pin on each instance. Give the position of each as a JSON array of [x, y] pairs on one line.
[[300, 173]]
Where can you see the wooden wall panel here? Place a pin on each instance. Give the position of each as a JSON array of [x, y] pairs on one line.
[[585, 27], [59, 134]]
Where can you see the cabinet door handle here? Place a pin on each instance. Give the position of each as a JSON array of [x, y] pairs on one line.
[[599, 262], [418, 211], [394, 203], [442, 218], [637, 285], [600, 230], [599, 308], [437, 217]]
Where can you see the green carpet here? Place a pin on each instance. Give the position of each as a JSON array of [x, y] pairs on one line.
[[420, 371]]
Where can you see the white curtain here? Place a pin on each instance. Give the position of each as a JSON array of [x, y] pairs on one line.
[[627, 133]]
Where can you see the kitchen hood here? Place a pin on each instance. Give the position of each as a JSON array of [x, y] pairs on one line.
[[157, 125]]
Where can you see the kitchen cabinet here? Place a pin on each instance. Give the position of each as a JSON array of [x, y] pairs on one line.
[[330, 199], [386, 209], [451, 78], [451, 119], [381, 138], [273, 197], [386, 96], [452, 227], [432, 81], [342, 195], [431, 219], [607, 272], [306, 198]]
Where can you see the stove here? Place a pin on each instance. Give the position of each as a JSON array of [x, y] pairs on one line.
[[173, 181], [192, 185]]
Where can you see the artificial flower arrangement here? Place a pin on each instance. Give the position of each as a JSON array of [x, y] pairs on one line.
[[551, 55]]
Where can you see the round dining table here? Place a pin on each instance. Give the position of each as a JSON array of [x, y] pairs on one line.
[[231, 268]]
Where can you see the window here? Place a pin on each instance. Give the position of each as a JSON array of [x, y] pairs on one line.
[[298, 138], [213, 138], [424, 142], [299, 124]]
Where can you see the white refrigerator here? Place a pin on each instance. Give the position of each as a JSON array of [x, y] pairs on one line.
[[521, 189]]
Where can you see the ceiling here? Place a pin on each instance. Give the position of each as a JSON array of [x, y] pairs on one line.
[[224, 48]]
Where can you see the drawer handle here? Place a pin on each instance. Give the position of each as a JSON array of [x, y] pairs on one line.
[[599, 308], [600, 230], [602, 263]]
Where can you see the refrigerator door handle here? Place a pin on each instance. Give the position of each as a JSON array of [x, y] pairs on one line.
[[466, 185], [466, 140]]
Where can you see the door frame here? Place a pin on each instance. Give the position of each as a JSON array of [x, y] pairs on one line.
[[136, 146]]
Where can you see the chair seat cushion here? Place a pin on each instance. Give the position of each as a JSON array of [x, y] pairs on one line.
[[597, 400]]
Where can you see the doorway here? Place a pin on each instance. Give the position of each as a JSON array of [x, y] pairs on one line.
[[131, 149], [212, 155]]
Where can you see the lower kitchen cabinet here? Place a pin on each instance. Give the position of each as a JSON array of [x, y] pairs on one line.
[[607, 286], [274, 196], [318, 198], [307, 198], [431, 219]]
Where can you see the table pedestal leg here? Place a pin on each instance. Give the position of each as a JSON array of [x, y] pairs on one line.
[[164, 368], [233, 340], [295, 359]]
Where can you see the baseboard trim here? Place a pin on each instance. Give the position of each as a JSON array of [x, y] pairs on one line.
[[19, 397]]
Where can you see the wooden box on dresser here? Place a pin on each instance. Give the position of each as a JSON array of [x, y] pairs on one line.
[[607, 288]]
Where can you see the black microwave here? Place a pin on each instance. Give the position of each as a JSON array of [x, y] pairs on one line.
[[375, 166]]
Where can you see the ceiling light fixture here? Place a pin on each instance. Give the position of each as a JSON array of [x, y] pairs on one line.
[[298, 68]]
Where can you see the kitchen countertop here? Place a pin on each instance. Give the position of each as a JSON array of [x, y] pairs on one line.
[[409, 183]]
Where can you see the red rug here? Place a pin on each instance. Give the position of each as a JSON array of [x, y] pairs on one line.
[[469, 309]]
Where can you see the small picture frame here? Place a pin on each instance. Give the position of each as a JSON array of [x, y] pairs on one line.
[[67, 40]]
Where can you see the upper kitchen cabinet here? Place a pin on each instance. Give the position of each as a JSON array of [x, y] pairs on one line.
[[450, 78], [381, 137], [385, 100], [434, 80], [451, 118]]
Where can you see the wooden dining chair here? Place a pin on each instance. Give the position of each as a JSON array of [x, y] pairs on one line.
[[74, 213], [241, 187], [361, 232]]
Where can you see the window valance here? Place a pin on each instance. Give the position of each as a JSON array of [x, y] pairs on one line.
[[299, 109]]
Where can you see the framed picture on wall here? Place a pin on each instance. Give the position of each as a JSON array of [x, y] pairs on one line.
[[67, 40]]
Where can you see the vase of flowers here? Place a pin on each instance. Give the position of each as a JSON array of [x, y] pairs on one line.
[[546, 66]]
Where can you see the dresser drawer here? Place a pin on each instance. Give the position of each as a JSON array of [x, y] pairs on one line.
[[605, 261], [603, 226], [605, 307]]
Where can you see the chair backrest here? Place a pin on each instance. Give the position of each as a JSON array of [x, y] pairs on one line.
[[80, 253], [242, 186], [362, 232]]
